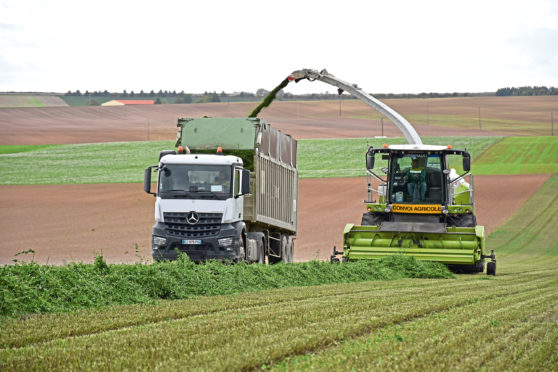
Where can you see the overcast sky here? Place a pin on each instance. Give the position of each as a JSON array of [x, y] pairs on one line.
[[195, 46]]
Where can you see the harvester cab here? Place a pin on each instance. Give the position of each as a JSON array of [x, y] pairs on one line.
[[422, 206]]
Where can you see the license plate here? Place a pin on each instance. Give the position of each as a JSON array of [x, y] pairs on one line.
[[192, 242]]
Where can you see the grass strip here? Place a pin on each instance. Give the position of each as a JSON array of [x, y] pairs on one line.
[[250, 338], [531, 232], [121, 162], [32, 288], [520, 155]]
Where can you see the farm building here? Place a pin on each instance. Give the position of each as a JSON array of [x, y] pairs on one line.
[[124, 102]]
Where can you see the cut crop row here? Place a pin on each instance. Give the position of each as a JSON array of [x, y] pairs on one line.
[[247, 338]]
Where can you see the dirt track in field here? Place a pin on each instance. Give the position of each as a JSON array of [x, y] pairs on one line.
[[64, 223]]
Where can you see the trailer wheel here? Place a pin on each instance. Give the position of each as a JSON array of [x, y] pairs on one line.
[[284, 248], [290, 248], [275, 248], [261, 251], [491, 268]]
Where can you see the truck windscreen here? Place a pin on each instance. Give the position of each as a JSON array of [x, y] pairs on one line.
[[195, 181]]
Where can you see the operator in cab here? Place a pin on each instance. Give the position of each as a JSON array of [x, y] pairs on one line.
[[416, 181]]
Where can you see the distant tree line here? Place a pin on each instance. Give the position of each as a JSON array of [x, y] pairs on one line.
[[165, 96], [527, 91]]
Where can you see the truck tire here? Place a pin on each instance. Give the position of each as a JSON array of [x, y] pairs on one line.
[[241, 249]]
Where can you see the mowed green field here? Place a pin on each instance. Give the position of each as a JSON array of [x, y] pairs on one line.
[[473, 322], [520, 155], [118, 162]]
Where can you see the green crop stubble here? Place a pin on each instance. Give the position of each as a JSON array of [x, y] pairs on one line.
[[488, 333], [117, 162], [520, 155], [531, 235], [249, 337], [345, 157]]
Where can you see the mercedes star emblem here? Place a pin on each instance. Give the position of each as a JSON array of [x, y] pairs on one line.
[[193, 218]]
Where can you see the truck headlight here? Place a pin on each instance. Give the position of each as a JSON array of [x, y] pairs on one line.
[[225, 242], [157, 240]]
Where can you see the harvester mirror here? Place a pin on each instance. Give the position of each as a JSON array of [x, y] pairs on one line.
[[385, 170], [369, 160], [466, 163]]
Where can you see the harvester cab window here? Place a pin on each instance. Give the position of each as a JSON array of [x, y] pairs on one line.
[[416, 178]]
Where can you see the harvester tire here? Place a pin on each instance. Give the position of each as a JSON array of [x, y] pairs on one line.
[[370, 219], [479, 266], [491, 268]]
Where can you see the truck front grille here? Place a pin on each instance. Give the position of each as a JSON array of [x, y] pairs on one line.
[[177, 225]]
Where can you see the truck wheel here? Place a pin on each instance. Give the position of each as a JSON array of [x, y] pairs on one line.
[[241, 249]]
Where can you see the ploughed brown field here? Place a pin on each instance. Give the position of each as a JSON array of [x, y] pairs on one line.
[[309, 119], [64, 223]]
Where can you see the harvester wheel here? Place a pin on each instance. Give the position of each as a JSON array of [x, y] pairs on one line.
[[491, 268], [370, 219], [479, 266]]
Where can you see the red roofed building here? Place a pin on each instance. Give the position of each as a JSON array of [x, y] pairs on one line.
[[123, 102]]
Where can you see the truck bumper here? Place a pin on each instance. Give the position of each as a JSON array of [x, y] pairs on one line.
[[207, 249]]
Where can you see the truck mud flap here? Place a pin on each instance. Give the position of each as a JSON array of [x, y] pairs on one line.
[[456, 246]]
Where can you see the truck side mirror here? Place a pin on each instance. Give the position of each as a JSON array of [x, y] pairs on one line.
[[369, 160], [147, 180], [466, 163], [245, 182]]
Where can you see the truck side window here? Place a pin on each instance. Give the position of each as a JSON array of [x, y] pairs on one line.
[[236, 181]]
